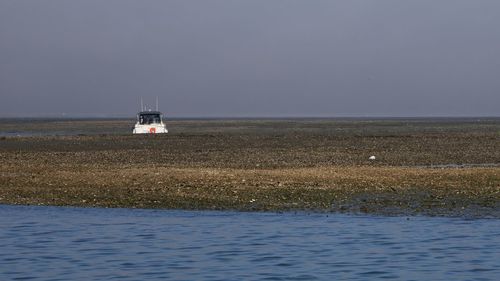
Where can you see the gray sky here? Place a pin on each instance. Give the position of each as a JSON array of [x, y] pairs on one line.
[[232, 58]]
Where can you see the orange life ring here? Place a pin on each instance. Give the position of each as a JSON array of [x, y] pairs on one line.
[[152, 130]]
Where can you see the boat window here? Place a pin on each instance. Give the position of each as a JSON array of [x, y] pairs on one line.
[[149, 119]]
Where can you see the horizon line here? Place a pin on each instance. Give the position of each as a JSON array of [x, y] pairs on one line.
[[119, 116]]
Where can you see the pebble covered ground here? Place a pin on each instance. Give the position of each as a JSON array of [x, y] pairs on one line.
[[448, 167]]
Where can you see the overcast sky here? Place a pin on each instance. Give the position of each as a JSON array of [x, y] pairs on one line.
[[253, 58]]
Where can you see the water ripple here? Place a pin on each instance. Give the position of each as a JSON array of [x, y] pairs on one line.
[[50, 243]]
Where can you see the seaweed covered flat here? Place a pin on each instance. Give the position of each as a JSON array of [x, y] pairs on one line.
[[448, 167]]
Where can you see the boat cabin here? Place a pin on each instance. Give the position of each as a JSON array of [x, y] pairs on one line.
[[149, 117]]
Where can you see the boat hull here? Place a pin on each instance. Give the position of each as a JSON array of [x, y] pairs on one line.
[[150, 129]]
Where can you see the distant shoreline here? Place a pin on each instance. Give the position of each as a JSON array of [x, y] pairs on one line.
[[277, 118]]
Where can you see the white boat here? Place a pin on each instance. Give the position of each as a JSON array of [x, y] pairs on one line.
[[149, 122]]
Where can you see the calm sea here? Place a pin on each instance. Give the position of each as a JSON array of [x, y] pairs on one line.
[[54, 243]]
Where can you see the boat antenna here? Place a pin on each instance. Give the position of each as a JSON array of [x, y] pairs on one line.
[[156, 103], [142, 106]]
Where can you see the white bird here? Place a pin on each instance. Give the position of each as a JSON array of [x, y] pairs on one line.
[[372, 157]]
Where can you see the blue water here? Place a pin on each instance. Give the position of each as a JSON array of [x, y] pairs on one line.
[[53, 243]]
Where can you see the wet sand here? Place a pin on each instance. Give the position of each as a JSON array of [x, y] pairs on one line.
[[445, 167]]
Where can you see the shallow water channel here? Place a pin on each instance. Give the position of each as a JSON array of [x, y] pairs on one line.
[[55, 243]]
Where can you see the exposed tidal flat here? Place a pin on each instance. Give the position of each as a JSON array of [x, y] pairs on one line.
[[441, 166]]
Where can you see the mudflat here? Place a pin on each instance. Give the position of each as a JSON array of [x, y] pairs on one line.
[[441, 166]]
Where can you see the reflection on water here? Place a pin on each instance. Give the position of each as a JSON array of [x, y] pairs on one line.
[[51, 243]]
